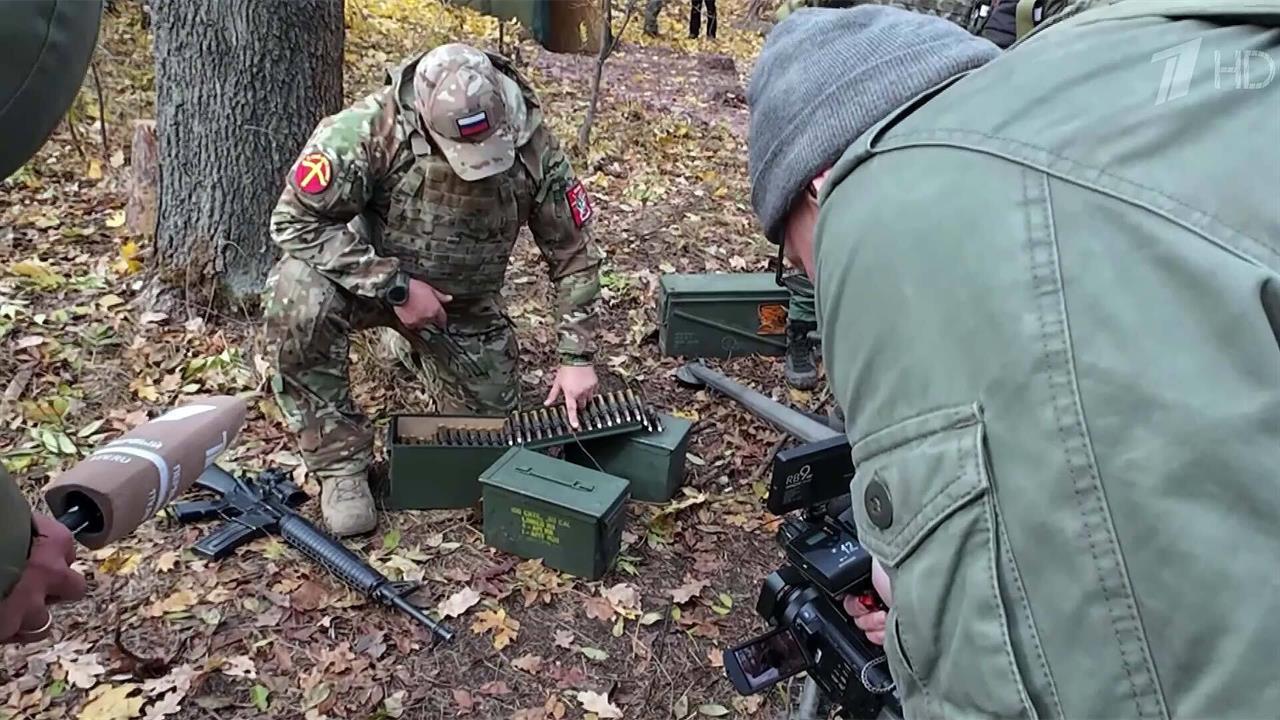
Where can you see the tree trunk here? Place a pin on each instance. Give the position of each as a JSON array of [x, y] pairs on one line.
[[240, 85], [144, 175], [608, 43], [606, 47]]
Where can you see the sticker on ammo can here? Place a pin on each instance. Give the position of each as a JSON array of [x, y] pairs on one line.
[[773, 319]]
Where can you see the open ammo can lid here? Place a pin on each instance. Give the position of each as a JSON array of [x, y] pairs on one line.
[[521, 471]]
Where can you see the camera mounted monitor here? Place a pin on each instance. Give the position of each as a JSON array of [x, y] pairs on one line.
[[809, 474]]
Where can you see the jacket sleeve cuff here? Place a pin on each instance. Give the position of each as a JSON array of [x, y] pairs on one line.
[[576, 359]]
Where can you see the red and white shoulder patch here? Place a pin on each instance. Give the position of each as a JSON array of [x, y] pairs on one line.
[[579, 203], [313, 173]]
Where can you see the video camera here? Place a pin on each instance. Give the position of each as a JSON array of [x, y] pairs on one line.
[[802, 600]]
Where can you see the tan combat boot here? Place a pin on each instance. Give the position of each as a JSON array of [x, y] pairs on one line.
[[347, 505]]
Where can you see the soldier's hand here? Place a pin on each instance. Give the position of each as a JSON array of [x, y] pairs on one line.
[[577, 383], [425, 305], [47, 579], [872, 620]]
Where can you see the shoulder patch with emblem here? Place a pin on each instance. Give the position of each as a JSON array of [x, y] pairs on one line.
[[579, 203], [313, 173]]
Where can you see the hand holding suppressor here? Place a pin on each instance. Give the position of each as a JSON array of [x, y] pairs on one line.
[[125, 482]]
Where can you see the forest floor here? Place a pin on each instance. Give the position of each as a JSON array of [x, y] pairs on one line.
[[265, 633]]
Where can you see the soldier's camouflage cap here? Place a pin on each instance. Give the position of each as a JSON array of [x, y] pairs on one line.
[[462, 100]]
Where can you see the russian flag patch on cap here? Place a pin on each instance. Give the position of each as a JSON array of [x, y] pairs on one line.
[[472, 125]]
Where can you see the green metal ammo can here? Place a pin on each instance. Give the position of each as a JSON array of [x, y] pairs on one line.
[[570, 517], [721, 315], [652, 461], [424, 474]]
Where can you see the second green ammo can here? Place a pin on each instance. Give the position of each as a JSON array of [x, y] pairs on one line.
[[653, 462], [568, 516]]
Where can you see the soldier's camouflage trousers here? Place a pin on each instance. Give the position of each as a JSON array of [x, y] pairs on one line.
[[800, 306], [309, 321]]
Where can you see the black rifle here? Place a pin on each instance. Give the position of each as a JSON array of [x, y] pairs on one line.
[[255, 507]]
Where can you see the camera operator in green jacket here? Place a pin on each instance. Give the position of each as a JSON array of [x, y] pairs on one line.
[[1048, 285], [47, 49]]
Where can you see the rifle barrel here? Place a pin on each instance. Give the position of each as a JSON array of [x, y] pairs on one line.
[[390, 596], [76, 519]]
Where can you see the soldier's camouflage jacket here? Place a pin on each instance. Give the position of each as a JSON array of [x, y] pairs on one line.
[[390, 201]]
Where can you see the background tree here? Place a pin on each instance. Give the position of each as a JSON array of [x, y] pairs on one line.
[[608, 43], [240, 84]]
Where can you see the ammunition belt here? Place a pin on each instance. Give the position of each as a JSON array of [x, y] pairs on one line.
[[610, 413]]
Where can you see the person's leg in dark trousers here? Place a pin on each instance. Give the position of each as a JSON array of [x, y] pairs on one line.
[[695, 17], [711, 18]]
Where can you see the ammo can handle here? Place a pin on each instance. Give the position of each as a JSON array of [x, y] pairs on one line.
[[573, 485]]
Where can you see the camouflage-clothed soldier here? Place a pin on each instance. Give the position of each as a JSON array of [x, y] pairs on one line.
[[1005, 21], [401, 212], [652, 8]]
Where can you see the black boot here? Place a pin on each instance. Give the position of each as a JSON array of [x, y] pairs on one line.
[[801, 372]]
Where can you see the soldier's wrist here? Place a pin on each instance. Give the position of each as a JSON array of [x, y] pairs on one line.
[[392, 277], [575, 359]]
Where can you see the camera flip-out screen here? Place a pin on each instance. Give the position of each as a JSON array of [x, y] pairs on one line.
[[766, 660]]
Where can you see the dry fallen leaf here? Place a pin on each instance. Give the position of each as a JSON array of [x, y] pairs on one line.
[[239, 666], [167, 705], [564, 639], [624, 598], [219, 594], [178, 679], [82, 670], [598, 608], [177, 602], [599, 704], [458, 603], [504, 628], [393, 704], [528, 663], [495, 688], [715, 657], [120, 562], [309, 596], [691, 589], [464, 701], [167, 561], [112, 702]]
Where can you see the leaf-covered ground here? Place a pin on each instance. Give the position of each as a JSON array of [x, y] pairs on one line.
[[265, 633]]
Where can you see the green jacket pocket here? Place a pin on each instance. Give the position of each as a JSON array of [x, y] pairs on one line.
[[923, 506]]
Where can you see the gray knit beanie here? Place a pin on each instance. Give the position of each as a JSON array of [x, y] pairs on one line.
[[826, 76]]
